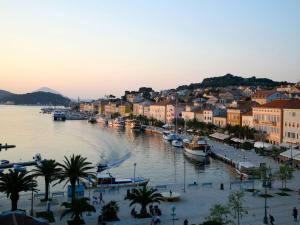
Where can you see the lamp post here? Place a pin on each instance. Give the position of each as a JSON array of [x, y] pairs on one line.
[[266, 182], [31, 210], [184, 172], [134, 168], [173, 208]]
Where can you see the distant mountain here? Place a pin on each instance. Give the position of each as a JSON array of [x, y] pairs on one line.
[[46, 89], [231, 80], [35, 98], [4, 93]]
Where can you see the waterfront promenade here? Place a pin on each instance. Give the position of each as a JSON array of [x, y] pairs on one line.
[[194, 205]]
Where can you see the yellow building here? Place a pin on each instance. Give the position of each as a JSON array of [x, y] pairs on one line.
[[125, 109], [234, 117]]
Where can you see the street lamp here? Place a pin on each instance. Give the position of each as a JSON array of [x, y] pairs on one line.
[[184, 172], [134, 167], [173, 208], [266, 182]]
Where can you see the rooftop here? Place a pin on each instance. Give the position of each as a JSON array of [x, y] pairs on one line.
[[263, 93], [282, 104]]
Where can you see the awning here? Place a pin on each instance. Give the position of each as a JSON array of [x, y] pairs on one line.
[[264, 145], [219, 136], [294, 153]]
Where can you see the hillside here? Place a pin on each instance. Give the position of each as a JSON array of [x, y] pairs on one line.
[[4, 93], [231, 80], [35, 98]]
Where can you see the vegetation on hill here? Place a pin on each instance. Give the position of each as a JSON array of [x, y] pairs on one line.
[[35, 98], [4, 93], [231, 80]]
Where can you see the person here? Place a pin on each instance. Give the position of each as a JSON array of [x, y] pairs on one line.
[[185, 222], [272, 220], [133, 213], [171, 193], [295, 213], [100, 219], [151, 210], [157, 221], [101, 198]]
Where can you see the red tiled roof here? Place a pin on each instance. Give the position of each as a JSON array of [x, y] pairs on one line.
[[263, 93], [249, 113], [282, 104]]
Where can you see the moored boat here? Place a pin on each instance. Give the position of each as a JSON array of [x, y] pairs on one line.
[[197, 146], [118, 122], [102, 120], [108, 181], [59, 116], [177, 143]]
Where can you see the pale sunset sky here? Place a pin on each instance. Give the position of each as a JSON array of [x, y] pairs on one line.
[[90, 48]]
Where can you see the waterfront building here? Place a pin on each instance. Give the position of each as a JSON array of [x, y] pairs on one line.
[[291, 124], [173, 111], [188, 113], [247, 119], [158, 111], [234, 113], [265, 96], [220, 121], [208, 115], [141, 109], [199, 116], [125, 109], [86, 107], [269, 118]]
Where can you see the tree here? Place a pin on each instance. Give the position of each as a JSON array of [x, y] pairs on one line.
[[110, 211], [219, 213], [76, 208], [49, 169], [284, 174], [144, 196], [14, 182], [236, 205], [74, 169]]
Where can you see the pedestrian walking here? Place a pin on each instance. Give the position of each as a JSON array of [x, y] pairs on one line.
[[272, 220], [295, 213], [101, 198], [185, 222]]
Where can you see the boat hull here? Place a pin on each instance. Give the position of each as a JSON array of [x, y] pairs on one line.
[[199, 153], [125, 184]]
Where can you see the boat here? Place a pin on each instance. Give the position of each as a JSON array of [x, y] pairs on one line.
[[171, 137], [76, 116], [102, 120], [4, 162], [108, 181], [38, 159], [246, 170], [92, 119], [118, 122], [197, 146], [19, 167], [59, 116], [177, 143], [135, 125]]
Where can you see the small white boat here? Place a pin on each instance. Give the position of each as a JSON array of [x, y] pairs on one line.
[[177, 143], [170, 136], [107, 181], [59, 116]]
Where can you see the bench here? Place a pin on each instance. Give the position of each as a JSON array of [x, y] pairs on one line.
[[161, 186], [207, 184], [59, 193]]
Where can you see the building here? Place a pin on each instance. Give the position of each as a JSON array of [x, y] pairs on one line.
[[139, 109], [208, 116], [265, 96], [291, 124], [125, 109], [188, 114], [247, 119], [158, 111], [234, 117], [269, 118], [220, 121], [173, 111], [199, 116]]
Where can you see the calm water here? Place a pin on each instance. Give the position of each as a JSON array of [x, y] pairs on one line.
[[33, 132]]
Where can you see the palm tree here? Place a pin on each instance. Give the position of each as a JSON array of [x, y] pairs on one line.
[[13, 182], [50, 171], [144, 196], [76, 208], [110, 211], [75, 169]]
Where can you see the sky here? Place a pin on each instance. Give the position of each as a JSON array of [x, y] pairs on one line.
[[91, 48]]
